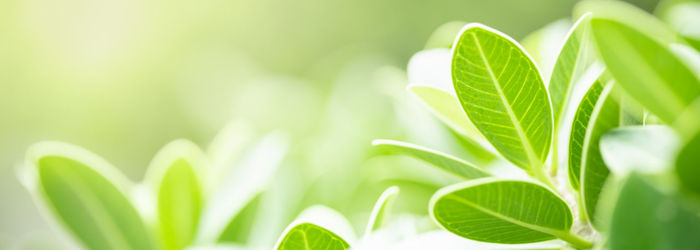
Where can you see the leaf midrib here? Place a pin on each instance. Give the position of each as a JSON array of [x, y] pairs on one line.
[[553, 232], [534, 160]]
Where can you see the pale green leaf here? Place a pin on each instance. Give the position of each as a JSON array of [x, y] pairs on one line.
[[597, 113], [176, 177], [239, 187], [649, 149], [448, 163], [629, 15], [646, 218], [444, 35], [381, 209], [645, 68], [544, 44], [431, 68], [446, 107], [503, 211], [573, 59], [685, 18], [87, 195], [501, 90]]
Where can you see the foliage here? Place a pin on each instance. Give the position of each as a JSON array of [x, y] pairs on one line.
[[618, 115]]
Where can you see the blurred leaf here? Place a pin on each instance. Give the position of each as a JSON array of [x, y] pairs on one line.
[[444, 36], [687, 168], [646, 69], [443, 161], [381, 210], [646, 218], [241, 186], [239, 228], [628, 15], [649, 149], [503, 211], [573, 59], [598, 113], [685, 18], [431, 68], [447, 108], [88, 196], [502, 92], [545, 43], [176, 174]]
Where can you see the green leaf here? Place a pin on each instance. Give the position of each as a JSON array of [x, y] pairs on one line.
[[176, 177], [645, 68], [87, 195], [646, 218], [380, 212], [648, 149], [503, 211], [448, 163], [446, 107], [597, 113], [308, 236], [687, 168], [317, 228], [501, 90], [573, 59]]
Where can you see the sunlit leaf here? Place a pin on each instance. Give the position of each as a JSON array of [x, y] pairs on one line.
[[317, 228], [503, 211], [572, 61], [501, 90], [307, 236], [597, 113], [88, 196], [176, 177], [381, 210], [443, 161], [646, 218], [649, 149], [646, 69]]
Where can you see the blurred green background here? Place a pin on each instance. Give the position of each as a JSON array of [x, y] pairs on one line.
[[123, 78]]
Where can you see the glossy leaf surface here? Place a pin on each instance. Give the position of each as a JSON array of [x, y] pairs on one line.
[[501, 90], [501, 211]]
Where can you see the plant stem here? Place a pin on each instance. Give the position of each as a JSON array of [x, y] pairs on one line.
[[541, 175], [576, 240], [581, 210]]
